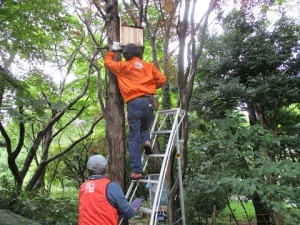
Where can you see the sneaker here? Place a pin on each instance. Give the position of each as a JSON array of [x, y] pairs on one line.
[[136, 176]]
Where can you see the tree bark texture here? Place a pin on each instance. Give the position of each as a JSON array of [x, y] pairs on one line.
[[114, 113]]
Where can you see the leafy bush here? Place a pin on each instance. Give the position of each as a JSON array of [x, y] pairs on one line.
[[232, 157], [50, 211], [7, 192], [47, 210]]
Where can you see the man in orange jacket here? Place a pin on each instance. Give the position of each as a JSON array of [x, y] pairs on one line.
[[137, 80]]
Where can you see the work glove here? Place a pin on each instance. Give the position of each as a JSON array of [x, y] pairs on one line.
[[116, 46], [137, 203]]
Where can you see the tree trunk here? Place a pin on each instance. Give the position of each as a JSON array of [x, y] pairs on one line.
[[40, 182], [262, 213], [263, 216], [114, 113], [182, 28], [186, 29]]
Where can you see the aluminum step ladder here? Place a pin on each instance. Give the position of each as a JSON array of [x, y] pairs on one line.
[[167, 124]]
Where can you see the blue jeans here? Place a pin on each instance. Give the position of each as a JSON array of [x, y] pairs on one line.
[[140, 114]]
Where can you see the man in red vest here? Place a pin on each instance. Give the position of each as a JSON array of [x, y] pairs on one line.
[[101, 201]]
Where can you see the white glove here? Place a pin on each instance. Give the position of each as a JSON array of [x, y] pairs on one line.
[[116, 46]]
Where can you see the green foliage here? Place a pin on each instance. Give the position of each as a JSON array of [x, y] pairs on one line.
[[239, 208], [8, 191], [29, 28], [47, 210], [70, 170], [43, 117], [251, 65], [235, 158], [59, 209]]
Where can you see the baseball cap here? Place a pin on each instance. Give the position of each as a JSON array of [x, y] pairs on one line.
[[96, 162]]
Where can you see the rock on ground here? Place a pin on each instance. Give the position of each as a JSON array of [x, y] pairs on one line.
[[9, 218]]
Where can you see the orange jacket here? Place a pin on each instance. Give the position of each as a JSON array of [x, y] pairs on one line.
[[135, 76], [94, 207]]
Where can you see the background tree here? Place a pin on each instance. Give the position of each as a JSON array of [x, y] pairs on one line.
[[190, 35], [231, 158], [257, 71], [39, 110]]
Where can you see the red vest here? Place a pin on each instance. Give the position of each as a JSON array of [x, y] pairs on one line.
[[94, 207]]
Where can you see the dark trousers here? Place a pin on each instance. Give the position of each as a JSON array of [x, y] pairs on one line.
[[140, 114]]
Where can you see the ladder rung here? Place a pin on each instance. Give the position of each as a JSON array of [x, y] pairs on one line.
[[161, 132], [145, 210], [146, 181], [169, 111], [155, 155]]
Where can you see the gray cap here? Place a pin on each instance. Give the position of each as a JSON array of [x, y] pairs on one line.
[[96, 162]]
